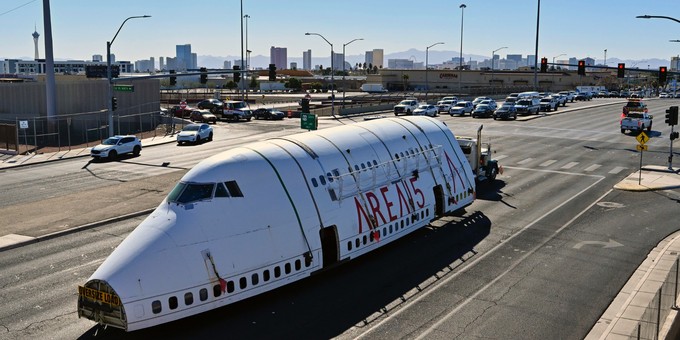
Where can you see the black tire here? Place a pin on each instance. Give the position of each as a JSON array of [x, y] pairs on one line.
[[210, 137], [556, 107], [623, 130], [514, 117], [492, 173], [137, 149], [649, 128], [198, 139], [495, 118], [113, 155]]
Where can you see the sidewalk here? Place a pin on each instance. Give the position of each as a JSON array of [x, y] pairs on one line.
[[621, 319]]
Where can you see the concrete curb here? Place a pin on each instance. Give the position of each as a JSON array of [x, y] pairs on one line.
[[76, 229]]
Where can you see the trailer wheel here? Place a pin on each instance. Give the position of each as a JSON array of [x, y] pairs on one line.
[[491, 173]]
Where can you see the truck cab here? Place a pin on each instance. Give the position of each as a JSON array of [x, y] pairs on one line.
[[479, 155]]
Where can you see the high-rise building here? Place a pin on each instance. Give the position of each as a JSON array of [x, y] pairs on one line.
[[675, 64], [293, 65], [227, 65], [378, 57], [531, 60], [307, 60], [405, 64], [161, 63], [36, 35], [183, 60], [517, 58], [279, 57], [573, 61], [194, 61], [369, 58], [97, 58], [337, 60]]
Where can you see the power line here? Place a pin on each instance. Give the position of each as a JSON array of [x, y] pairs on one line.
[[14, 9]]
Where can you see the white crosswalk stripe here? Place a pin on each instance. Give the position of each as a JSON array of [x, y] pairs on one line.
[[593, 167], [498, 158], [525, 161], [617, 169], [569, 165], [548, 163]]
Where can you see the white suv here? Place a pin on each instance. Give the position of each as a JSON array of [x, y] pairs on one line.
[[117, 145]]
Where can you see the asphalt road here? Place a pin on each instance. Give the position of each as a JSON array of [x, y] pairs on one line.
[[539, 255]]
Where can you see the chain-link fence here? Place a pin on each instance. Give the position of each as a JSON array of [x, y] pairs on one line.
[[64, 132], [656, 312]]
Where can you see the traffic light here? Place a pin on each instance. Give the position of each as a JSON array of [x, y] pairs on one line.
[[662, 75], [237, 75], [272, 72], [672, 115], [674, 135], [114, 103], [204, 75], [173, 79], [621, 72], [544, 65], [581, 67]]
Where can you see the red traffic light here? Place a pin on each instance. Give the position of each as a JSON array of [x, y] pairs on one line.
[[621, 66], [662, 74]]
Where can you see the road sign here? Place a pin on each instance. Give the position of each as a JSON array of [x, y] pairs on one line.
[[183, 105], [124, 88], [308, 121], [641, 147], [642, 138], [23, 124]]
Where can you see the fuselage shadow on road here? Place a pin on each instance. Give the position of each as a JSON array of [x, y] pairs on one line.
[[355, 294], [492, 191]]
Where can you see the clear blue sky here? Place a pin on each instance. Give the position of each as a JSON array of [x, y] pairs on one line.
[[577, 28]]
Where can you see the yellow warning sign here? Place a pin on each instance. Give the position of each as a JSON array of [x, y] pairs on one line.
[[642, 138], [641, 147]]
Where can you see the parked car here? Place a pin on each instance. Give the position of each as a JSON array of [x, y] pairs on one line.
[[561, 99], [583, 96], [505, 111], [426, 110], [406, 107], [526, 106], [568, 95], [445, 105], [613, 94], [211, 105], [114, 146], [490, 102], [203, 116], [482, 110], [461, 108], [235, 110], [179, 112], [195, 133], [479, 100], [548, 104], [454, 98], [268, 113], [665, 95]]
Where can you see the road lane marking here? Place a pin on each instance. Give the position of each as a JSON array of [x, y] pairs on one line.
[[617, 170], [524, 161], [569, 165], [548, 163], [474, 261], [593, 167]]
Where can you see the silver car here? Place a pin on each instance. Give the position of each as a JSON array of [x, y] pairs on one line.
[[195, 133]]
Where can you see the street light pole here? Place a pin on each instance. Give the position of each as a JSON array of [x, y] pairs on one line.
[[538, 20], [493, 55], [343, 68], [247, 56], [657, 16], [332, 71], [108, 71], [605, 57], [427, 67], [460, 66], [242, 66]]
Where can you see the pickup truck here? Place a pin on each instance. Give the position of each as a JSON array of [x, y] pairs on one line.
[[235, 110], [406, 107], [636, 121], [527, 106]]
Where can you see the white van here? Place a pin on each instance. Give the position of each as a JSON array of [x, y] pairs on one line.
[[530, 94]]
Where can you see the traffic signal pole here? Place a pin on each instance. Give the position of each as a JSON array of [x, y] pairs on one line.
[[670, 156]]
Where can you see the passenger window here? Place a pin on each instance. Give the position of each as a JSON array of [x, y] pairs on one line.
[[255, 279], [230, 286], [156, 307], [322, 180], [188, 299], [243, 283], [349, 245], [221, 191], [330, 177], [298, 265], [277, 271], [363, 166], [356, 167], [265, 275], [203, 294], [314, 182], [287, 268], [217, 290], [172, 302], [233, 188]]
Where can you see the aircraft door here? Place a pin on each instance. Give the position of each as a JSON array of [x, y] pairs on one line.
[[329, 245]]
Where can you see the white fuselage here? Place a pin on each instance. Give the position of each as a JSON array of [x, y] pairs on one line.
[[292, 206]]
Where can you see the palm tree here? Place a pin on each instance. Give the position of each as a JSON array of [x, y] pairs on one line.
[[405, 78]]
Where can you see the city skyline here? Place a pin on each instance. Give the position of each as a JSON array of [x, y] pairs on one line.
[[580, 30]]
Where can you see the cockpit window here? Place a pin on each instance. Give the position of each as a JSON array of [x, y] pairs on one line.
[[191, 192]]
